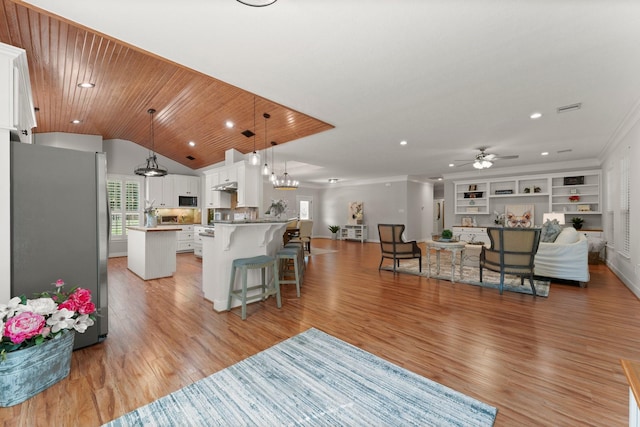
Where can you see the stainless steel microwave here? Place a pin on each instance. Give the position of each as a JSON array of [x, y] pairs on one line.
[[187, 201]]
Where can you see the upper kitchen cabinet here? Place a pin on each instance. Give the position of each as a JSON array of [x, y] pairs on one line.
[[185, 185], [16, 103], [160, 192], [215, 199], [248, 185]]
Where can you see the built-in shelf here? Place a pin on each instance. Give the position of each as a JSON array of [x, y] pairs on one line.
[[548, 193]]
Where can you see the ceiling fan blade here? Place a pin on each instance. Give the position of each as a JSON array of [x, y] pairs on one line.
[[505, 157], [489, 156]]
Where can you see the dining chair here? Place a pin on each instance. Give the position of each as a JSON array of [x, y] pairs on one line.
[[304, 234], [512, 251]]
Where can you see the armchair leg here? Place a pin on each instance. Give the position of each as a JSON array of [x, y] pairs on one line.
[[533, 287]]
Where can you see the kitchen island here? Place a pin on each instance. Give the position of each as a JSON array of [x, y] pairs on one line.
[[151, 251], [235, 239]]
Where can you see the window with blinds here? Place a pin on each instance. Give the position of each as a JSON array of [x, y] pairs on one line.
[[625, 206], [610, 217], [124, 203]]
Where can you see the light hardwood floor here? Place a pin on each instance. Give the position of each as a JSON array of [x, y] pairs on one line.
[[541, 361]]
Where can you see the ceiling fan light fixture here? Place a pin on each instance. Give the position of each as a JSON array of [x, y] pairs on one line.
[[482, 164], [151, 168]]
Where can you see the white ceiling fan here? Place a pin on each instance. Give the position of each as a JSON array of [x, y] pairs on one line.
[[484, 160]]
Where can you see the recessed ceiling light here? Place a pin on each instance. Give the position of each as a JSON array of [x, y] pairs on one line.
[[451, 165], [86, 84], [535, 115], [192, 144], [229, 124], [440, 179], [403, 142], [333, 180], [76, 121], [544, 153]]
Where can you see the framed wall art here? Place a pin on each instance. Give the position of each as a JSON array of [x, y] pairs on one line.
[[519, 216]]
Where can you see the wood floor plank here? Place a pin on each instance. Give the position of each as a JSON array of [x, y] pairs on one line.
[[541, 361]]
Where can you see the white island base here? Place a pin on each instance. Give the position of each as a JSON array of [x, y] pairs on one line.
[[231, 241], [151, 251]]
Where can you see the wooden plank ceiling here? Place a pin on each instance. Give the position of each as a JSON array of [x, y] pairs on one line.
[[128, 81]]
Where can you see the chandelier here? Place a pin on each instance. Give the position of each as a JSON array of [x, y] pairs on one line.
[[151, 168], [284, 181]]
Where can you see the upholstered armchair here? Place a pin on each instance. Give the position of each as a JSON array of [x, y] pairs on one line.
[[512, 252], [394, 247]]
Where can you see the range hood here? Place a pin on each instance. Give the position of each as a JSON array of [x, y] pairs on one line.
[[229, 187]]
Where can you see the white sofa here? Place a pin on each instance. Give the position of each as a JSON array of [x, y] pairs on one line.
[[566, 258]]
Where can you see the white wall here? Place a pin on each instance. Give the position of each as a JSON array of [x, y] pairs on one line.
[[626, 144], [124, 156], [71, 141]]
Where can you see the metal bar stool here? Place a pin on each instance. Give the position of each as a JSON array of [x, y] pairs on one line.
[[288, 256], [244, 264]]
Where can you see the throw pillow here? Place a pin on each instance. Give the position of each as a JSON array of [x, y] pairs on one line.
[[550, 231], [567, 236]]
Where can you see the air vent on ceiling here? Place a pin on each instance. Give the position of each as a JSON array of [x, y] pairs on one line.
[[248, 133], [571, 107], [564, 151], [191, 158]]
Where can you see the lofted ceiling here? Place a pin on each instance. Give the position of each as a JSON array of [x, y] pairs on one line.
[[191, 106], [345, 80]]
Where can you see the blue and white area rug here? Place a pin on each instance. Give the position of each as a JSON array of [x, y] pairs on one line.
[[313, 379]]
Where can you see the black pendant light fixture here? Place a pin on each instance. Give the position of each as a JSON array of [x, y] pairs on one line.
[[255, 157], [151, 168], [265, 168], [257, 3]]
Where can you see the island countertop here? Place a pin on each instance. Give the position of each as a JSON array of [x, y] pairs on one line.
[[251, 221], [151, 229]]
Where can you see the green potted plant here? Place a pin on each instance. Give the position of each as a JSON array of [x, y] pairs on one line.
[[446, 234], [334, 231], [577, 222]]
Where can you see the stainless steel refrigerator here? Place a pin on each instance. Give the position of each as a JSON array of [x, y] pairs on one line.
[[60, 225]]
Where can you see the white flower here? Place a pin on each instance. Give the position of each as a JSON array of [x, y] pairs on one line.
[[10, 309], [82, 323], [61, 319], [44, 306]]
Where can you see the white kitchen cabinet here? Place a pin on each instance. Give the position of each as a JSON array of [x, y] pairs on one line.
[[159, 191], [185, 185], [228, 174], [215, 199], [185, 239], [16, 108], [248, 185]]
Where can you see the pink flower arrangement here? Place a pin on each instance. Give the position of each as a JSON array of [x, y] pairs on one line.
[[28, 322]]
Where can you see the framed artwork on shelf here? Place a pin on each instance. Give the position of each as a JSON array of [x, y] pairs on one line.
[[473, 210], [467, 221], [473, 187], [584, 208], [574, 180], [519, 216]]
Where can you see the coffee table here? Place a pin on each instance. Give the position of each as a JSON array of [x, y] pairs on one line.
[[453, 247]]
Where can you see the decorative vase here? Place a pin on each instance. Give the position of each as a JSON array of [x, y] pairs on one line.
[[152, 221], [27, 372], [334, 236]]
